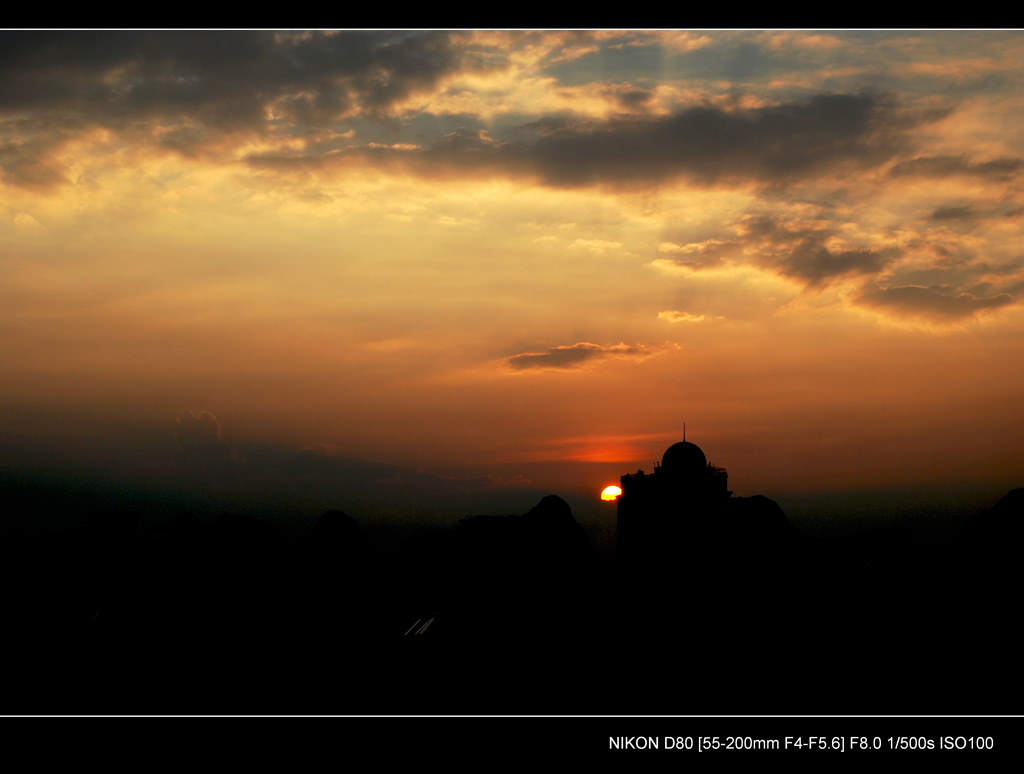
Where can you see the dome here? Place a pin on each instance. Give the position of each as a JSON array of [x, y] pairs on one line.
[[684, 457]]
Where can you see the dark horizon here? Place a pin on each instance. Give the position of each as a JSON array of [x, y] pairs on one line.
[[496, 596]]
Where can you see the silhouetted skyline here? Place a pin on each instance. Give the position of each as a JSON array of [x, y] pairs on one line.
[[740, 610], [315, 337]]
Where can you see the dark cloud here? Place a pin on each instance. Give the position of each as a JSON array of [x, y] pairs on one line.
[[772, 145], [708, 144], [803, 252], [142, 73], [633, 99], [813, 261], [946, 166], [952, 213], [574, 355], [187, 89], [543, 127], [764, 231], [27, 166], [764, 227], [932, 302], [704, 255], [945, 286], [194, 86], [184, 90]]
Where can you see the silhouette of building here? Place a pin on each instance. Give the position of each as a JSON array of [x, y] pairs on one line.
[[677, 501]]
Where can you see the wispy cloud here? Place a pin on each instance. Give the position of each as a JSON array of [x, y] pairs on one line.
[[948, 166], [576, 355], [675, 316], [936, 303]]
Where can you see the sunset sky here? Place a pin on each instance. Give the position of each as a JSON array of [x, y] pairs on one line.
[[505, 262]]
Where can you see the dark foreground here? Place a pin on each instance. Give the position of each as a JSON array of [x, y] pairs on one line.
[[512, 615]]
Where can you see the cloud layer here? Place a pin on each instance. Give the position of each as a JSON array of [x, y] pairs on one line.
[[424, 243]]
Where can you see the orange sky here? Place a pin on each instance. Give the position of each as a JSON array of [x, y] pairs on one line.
[[468, 251]]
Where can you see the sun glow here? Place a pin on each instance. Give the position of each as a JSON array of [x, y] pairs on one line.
[[611, 493]]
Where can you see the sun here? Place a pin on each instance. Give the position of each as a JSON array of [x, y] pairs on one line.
[[611, 493]]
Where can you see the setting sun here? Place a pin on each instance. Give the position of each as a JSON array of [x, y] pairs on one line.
[[611, 493]]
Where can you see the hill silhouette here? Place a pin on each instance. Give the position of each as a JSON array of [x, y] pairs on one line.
[[736, 613]]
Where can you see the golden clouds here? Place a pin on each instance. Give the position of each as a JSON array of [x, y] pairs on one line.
[[444, 243]]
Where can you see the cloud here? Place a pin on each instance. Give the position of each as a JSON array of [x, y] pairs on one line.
[[26, 162], [937, 303], [202, 450], [221, 76], [630, 98], [796, 251], [700, 255], [948, 166], [187, 89], [813, 261], [706, 144], [575, 355], [952, 213], [675, 316], [919, 278], [594, 245]]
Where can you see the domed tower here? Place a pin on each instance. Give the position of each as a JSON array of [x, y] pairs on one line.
[[683, 459], [686, 472], [657, 510]]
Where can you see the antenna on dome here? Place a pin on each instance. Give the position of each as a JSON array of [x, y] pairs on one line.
[[684, 432]]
